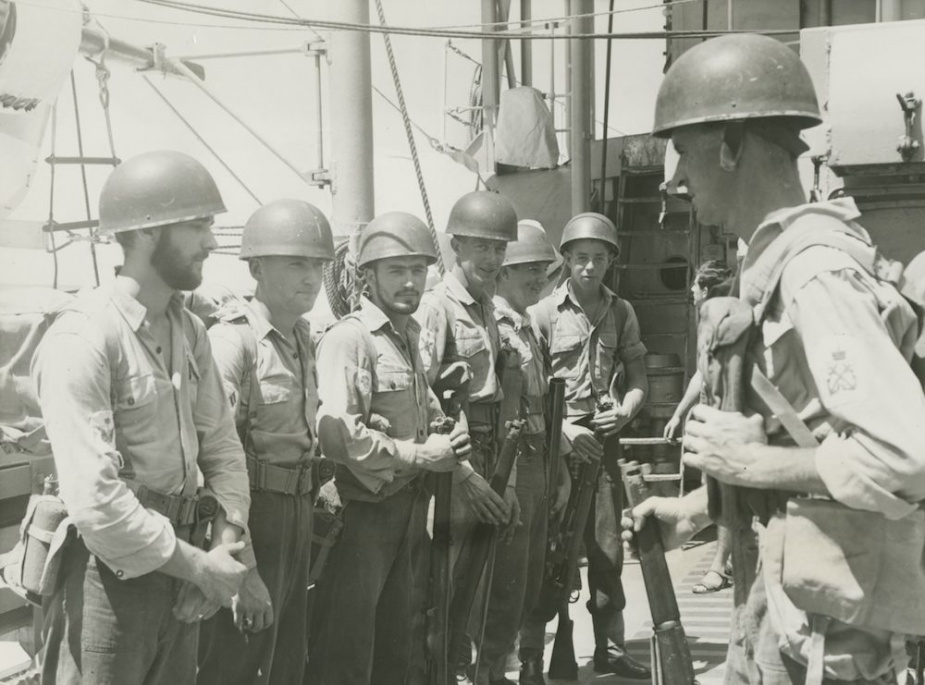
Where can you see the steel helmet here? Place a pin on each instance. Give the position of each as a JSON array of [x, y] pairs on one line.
[[589, 226], [157, 189], [395, 234], [289, 228], [734, 78], [483, 214], [532, 245]]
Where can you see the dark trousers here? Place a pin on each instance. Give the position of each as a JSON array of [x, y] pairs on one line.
[[518, 566], [102, 630], [371, 632], [281, 527], [605, 553]]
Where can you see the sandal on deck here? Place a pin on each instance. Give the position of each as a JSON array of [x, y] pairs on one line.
[[704, 587]]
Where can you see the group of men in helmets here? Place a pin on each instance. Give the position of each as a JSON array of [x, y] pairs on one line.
[[143, 408]]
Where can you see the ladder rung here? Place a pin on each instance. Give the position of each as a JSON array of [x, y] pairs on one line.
[[55, 226], [656, 265], [627, 442], [112, 161]]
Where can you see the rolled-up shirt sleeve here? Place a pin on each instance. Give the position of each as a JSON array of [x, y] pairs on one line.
[[877, 462], [221, 457], [73, 381], [344, 411], [631, 345]]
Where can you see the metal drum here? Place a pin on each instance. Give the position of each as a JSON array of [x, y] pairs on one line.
[[666, 388]]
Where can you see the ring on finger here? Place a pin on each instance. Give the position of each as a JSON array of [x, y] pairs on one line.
[[248, 622]]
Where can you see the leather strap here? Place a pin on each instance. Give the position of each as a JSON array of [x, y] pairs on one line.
[[784, 411]]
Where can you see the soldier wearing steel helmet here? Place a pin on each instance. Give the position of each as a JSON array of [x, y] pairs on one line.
[[134, 408], [375, 423], [833, 342], [458, 325], [592, 339], [518, 565], [266, 357]]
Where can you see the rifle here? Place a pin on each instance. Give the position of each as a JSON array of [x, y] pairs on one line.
[[556, 415], [481, 541], [671, 655], [453, 384]]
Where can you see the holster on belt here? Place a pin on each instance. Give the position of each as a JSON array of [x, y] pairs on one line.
[[194, 511]]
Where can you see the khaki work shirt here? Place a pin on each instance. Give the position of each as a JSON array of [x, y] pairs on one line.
[[286, 388], [518, 337], [115, 412], [375, 403], [837, 344], [586, 353], [469, 334]]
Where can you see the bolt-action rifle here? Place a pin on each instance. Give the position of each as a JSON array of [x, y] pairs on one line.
[[452, 389], [671, 655], [472, 560]]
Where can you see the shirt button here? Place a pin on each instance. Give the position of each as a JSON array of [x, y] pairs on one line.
[[295, 355], [120, 573], [131, 401], [158, 350]]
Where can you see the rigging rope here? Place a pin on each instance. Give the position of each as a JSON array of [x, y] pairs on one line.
[[439, 33], [83, 175], [202, 140], [406, 121]]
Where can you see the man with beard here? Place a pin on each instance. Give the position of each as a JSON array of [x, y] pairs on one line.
[[458, 325], [374, 422], [266, 357], [134, 409], [518, 566], [590, 333]]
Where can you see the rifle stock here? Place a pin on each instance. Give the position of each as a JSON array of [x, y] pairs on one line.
[[473, 558], [673, 665], [562, 663]]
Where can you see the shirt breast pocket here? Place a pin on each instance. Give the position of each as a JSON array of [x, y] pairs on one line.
[[275, 389], [134, 402], [469, 342], [393, 379], [565, 355]]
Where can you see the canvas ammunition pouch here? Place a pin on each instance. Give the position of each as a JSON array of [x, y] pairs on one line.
[[285, 480]]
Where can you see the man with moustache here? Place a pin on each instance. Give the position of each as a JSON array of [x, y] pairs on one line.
[[518, 565], [374, 422], [590, 333], [266, 357], [845, 480], [134, 409], [458, 325]]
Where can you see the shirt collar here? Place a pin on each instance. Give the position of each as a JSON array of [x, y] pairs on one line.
[[503, 309], [131, 309], [778, 221], [374, 318], [456, 285], [563, 294], [258, 315]]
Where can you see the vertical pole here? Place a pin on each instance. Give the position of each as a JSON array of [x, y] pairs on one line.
[[580, 97], [319, 110], [605, 132], [351, 120], [891, 10], [567, 12], [489, 65], [526, 46]]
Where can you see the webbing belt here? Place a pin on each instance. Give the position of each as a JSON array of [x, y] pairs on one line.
[[286, 480]]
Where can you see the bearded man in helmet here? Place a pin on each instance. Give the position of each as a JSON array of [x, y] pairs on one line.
[[832, 343], [134, 408], [518, 565], [375, 422], [265, 354], [592, 339]]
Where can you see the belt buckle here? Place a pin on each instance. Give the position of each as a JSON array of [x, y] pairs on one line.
[[187, 509]]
